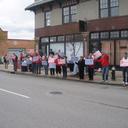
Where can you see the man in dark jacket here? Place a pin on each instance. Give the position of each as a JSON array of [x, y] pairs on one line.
[[81, 65]]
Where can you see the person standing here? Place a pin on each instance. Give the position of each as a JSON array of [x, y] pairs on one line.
[[34, 60], [38, 64], [124, 65], [45, 64], [58, 66], [6, 61], [15, 62], [81, 65], [52, 64], [104, 60], [64, 67], [90, 66]]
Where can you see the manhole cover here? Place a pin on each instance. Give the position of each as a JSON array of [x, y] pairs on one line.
[[56, 93]]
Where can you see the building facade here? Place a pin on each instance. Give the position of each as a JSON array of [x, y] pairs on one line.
[[77, 27], [11, 46]]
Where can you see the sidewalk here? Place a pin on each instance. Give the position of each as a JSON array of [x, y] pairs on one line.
[[97, 76]]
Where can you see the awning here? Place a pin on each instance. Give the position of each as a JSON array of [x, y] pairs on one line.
[[37, 3]]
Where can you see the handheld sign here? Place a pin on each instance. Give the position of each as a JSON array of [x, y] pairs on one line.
[[124, 63], [61, 61], [51, 60], [97, 54], [89, 61]]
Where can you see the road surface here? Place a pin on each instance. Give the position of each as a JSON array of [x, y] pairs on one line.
[[33, 102]]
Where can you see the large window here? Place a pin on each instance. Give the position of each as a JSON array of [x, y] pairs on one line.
[[56, 47], [74, 49], [109, 8], [69, 14], [47, 16]]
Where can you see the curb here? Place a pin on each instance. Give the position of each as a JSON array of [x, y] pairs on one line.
[[59, 78]]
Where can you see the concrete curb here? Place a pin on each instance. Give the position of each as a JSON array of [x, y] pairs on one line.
[[59, 78]]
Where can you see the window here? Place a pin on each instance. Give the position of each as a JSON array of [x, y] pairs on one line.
[[104, 35], [47, 16], [44, 40], [69, 14], [60, 38], [53, 39], [124, 34], [114, 7], [114, 34], [109, 8], [104, 8], [56, 47], [94, 35], [74, 49]]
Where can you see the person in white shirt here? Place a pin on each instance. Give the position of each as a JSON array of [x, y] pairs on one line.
[[124, 65]]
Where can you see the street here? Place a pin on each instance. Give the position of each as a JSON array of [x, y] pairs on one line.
[[35, 102]]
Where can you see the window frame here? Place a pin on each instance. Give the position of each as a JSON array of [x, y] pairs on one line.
[[70, 14], [109, 8], [47, 19]]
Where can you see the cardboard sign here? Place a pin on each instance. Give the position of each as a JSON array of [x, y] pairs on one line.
[[89, 62], [51, 60], [61, 61], [124, 63], [35, 58], [97, 54]]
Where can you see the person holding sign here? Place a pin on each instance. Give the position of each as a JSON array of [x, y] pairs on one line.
[[124, 65], [90, 65], [81, 65], [52, 64], [58, 65], [104, 60]]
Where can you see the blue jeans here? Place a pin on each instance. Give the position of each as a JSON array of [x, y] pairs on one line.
[[105, 72]]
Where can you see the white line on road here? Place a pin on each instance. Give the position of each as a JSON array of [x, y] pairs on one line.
[[17, 94]]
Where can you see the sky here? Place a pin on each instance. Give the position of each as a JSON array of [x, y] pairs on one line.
[[14, 19]]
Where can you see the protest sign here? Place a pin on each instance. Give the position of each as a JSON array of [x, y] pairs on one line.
[[97, 54], [89, 61]]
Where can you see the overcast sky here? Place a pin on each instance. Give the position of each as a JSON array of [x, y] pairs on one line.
[[14, 19]]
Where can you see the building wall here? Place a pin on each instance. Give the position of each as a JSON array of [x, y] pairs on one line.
[[3, 34], [39, 19], [88, 10], [123, 7], [56, 18], [14, 43]]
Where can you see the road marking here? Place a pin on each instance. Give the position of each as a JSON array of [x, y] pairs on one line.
[[14, 93]]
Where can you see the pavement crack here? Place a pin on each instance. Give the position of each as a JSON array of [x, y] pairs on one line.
[[109, 105]]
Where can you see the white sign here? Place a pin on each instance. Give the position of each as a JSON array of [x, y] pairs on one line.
[[51, 60], [124, 63], [61, 61], [89, 62], [97, 54]]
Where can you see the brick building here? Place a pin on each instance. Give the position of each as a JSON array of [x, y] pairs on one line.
[[79, 26], [14, 45]]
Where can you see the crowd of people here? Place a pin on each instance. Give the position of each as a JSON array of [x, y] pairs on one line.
[[57, 65]]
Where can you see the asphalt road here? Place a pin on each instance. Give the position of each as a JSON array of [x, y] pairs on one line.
[[31, 102]]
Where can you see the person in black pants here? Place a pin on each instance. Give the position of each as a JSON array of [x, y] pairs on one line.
[[81, 65], [90, 67], [124, 65], [64, 68]]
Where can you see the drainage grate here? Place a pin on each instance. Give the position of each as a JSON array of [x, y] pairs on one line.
[[56, 93]]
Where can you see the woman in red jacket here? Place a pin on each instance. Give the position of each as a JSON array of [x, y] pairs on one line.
[[104, 60]]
